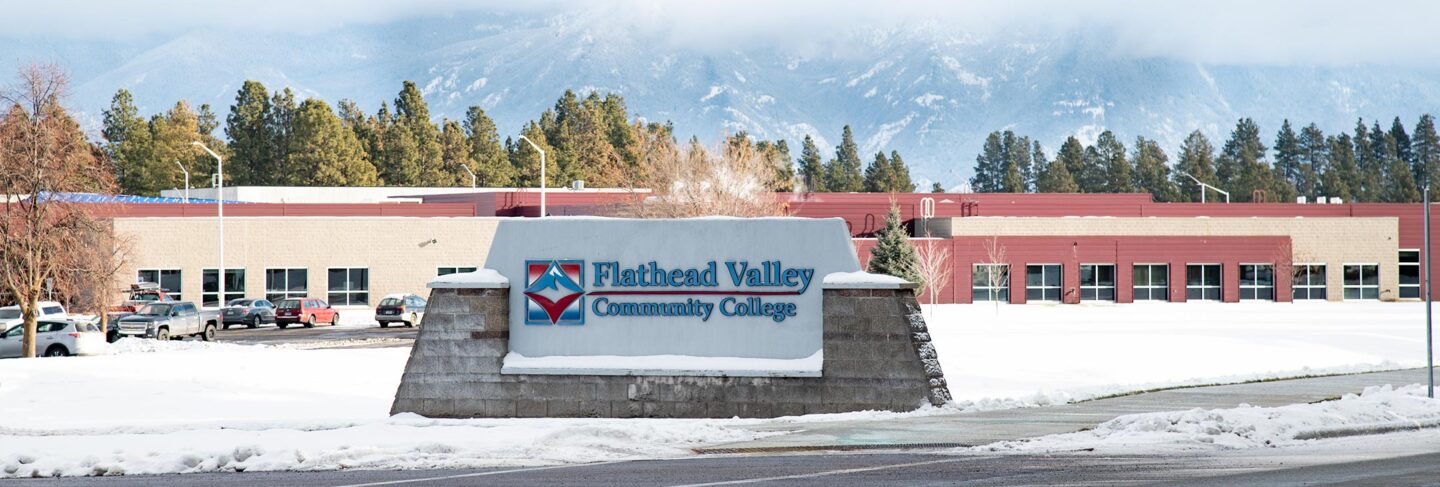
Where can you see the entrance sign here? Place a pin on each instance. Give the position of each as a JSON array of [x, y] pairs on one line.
[[712, 287]]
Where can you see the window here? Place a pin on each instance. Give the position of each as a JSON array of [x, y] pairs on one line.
[[52, 310], [1409, 274], [1202, 282], [349, 286], [991, 282], [453, 270], [1362, 281], [1257, 281], [1042, 282], [168, 279], [1152, 282], [286, 283], [210, 290], [1309, 282], [1097, 282]]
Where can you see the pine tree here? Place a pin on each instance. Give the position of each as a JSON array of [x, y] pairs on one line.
[[1072, 157], [1288, 154], [893, 253], [489, 161], [330, 153], [250, 136], [1426, 149], [1093, 179], [1373, 157], [877, 175], [900, 174], [1037, 164], [279, 119], [1314, 152], [1342, 171], [777, 154], [1017, 163], [1404, 145], [1152, 171], [812, 168], [935, 187], [1055, 177], [622, 136], [527, 162], [411, 155], [127, 142], [1242, 168], [842, 174], [990, 166], [1119, 175], [171, 135], [206, 121], [1197, 159]]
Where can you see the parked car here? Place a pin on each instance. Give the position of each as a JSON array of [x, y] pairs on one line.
[[166, 320], [305, 310], [400, 308], [248, 312], [56, 338], [10, 315]]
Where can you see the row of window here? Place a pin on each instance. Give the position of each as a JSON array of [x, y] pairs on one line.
[[344, 285], [1151, 282]]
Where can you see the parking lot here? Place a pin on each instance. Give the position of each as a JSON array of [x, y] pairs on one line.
[[321, 336]]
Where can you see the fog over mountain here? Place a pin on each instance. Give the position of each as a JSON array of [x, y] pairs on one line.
[[929, 88]]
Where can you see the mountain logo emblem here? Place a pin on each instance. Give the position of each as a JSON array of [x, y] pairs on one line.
[[553, 292]]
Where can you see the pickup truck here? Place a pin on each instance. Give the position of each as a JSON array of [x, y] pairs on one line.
[[166, 320]]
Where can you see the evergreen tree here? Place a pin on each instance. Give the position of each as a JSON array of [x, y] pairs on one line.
[[1014, 177], [1403, 145], [487, 157], [330, 153], [1072, 158], [1288, 154], [622, 136], [777, 154], [1055, 176], [1400, 182], [1152, 171], [455, 154], [842, 174], [990, 166], [279, 119], [1093, 179], [251, 139], [935, 187], [893, 254], [1037, 164], [1426, 149], [1197, 159], [900, 174], [1314, 152], [127, 142], [812, 169], [1342, 171], [171, 135], [207, 121], [411, 155], [877, 175], [1243, 170], [1372, 156], [527, 162], [1119, 175]]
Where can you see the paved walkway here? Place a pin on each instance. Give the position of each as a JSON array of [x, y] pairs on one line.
[[972, 429]]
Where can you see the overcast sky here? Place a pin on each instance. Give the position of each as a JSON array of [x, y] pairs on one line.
[[1321, 32]]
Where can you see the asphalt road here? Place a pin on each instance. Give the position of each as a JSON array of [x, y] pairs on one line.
[[321, 335], [892, 468]]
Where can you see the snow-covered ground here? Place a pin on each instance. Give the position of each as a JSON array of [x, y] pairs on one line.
[[193, 406]]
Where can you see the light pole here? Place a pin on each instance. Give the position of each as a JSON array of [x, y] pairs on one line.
[[187, 180], [219, 216], [542, 173], [1203, 186], [472, 174], [1429, 301]]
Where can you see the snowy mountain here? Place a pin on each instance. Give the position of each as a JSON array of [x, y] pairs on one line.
[[930, 93]]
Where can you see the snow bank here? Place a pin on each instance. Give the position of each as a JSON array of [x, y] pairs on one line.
[[481, 278], [516, 363], [1378, 408], [862, 279], [1038, 354], [146, 345]]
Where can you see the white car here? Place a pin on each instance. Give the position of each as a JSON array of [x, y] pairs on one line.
[[56, 338], [10, 315]]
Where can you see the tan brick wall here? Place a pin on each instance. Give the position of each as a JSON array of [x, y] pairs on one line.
[[1332, 241], [390, 247]]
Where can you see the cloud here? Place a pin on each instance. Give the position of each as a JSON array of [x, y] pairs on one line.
[[1315, 32]]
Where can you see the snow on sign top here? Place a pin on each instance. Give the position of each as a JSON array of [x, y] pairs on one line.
[[864, 280], [480, 279]]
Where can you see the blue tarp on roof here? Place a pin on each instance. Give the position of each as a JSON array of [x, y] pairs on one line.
[[125, 198]]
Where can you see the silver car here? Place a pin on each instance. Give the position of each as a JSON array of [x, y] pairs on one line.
[[55, 338]]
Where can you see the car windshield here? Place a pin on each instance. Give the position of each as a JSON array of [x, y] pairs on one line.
[[240, 302], [289, 304], [390, 302], [156, 309], [9, 313]]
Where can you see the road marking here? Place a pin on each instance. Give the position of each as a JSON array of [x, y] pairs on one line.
[[468, 475], [825, 473]]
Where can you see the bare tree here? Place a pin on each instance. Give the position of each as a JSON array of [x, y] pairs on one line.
[[43, 154], [995, 259], [87, 272], [698, 182], [933, 264]]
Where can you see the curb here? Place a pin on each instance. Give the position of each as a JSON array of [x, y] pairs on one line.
[[1370, 429]]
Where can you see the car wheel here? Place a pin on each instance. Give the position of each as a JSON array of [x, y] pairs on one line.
[[310, 322], [209, 333], [162, 334], [281, 325], [227, 326], [56, 351], [254, 322], [414, 320], [383, 324], [334, 319]]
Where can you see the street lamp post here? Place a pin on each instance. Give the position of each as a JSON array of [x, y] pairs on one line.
[[1203, 186], [220, 216], [472, 174], [542, 173], [187, 180], [1429, 302]]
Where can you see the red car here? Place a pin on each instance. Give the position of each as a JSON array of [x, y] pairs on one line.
[[308, 311]]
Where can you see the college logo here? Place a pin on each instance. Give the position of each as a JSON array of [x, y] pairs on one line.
[[553, 292]]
